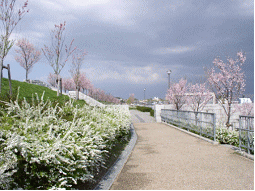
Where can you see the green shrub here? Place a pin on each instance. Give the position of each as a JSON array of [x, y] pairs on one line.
[[226, 136], [45, 146], [143, 109], [152, 113]]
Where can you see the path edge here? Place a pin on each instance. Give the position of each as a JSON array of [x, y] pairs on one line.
[[108, 179], [236, 149], [193, 134]]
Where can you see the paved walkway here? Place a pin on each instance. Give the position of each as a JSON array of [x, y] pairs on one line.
[[166, 158]]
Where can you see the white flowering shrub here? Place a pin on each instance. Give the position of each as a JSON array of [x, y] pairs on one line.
[[226, 136], [46, 147]]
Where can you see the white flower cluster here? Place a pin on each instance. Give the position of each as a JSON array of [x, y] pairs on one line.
[[37, 142], [226, 136]]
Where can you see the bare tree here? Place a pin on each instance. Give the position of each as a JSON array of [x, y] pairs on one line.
[[54, 54], [10, 17], [77, 62]]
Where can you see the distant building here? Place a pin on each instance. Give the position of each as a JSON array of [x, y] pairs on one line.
[[155, 99], [245, 100], [38, 82]]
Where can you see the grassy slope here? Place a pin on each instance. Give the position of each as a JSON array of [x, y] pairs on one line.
[[28, 90]]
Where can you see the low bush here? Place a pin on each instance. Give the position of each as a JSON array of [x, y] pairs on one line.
[[45, 146], [145, 109], [225, 136], [152, 113]]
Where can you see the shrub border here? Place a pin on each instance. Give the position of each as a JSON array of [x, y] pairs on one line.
[[108, 179]]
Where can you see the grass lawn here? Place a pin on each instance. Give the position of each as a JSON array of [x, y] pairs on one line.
[[28, 90]]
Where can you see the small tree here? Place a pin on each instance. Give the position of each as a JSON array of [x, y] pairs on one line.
[[68, 84], [85, 82], [77, 62], [52, 79], [228, 83], [198, 96], [131, 99], [54, 54], [27, 56], [10, 17], [245, 109], [176, 94]]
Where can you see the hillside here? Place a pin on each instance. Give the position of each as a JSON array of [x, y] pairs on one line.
[[28, 90]]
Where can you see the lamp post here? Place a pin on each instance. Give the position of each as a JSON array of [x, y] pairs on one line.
[[144, 95], [169, 72]]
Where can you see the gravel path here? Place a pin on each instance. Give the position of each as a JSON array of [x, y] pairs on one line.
[[141, 117], [166, 158]]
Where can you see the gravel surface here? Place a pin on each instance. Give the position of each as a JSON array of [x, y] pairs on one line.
[[166, 158]]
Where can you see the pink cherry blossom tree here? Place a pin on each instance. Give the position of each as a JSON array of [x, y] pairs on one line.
[[245, 109], [10, 17], [56, 56], [77, 61], [52, 79], [176, 94], [198, 96], [27, 55], [68, 84], [90, 90], [227, 82], [85, 82]]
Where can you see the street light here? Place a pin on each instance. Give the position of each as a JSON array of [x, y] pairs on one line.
[[144, 94], [169, 72]]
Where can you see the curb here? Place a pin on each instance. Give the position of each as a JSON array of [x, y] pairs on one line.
[[193, 134], [108, 179]]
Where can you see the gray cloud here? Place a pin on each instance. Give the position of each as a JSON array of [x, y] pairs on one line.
[[131, 44]]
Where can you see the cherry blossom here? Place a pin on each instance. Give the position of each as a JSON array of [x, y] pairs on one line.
[[176, 94], [227, 81], [55, 55], [198, 96], [27, 55]]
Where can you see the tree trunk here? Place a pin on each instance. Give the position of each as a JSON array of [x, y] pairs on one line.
[[228, 116], [77, 93], [58, 87], [26, 75], [9, 76], [61, 86], [1, 74]]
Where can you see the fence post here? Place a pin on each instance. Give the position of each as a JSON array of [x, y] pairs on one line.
[[239, 132], [178, 118], [214, 127], [248, 140], [201, 124]]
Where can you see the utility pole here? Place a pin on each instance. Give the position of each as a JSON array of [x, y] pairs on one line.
[[169, 72]]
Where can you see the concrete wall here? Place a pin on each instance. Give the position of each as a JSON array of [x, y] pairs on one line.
[[122, 107], [89, 100], [221, 117]]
